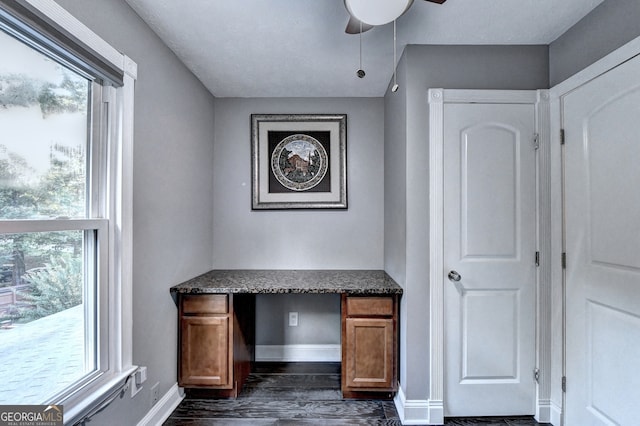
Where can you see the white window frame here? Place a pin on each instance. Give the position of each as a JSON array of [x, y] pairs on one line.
[[113, 167]]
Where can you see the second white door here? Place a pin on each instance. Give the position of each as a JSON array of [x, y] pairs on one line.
[[602, 201], [489, 257]]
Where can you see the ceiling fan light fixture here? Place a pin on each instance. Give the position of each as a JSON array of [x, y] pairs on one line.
[[377, 12]]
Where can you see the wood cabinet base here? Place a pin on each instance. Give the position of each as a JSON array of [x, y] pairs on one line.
[[368, 395], [217, 344], [369, 346]]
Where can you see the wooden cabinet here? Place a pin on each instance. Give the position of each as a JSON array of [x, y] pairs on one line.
[[369, 346], [215, 342], [205, 342], [217, 345]]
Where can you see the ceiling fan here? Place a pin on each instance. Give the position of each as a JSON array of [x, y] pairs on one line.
[[366, 14]]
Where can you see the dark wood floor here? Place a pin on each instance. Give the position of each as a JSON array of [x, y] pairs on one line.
[[302, 394]]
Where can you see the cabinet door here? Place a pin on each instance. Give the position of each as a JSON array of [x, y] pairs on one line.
[[205, 351], [369, 354]]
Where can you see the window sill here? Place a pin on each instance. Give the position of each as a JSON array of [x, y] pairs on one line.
[[94, 397]]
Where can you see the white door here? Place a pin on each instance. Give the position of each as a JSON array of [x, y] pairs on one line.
[[489, 247], [602, 214]]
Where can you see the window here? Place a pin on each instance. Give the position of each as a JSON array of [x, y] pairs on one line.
[[65, 211]]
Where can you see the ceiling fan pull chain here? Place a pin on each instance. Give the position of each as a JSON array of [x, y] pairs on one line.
[[360, 73], [395, 86]]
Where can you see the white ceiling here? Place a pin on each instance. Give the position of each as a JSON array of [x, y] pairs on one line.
[[298, 48]]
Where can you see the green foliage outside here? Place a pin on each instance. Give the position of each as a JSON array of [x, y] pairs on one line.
[[58, 192], [46, 266], [22, 91], [55, 287]]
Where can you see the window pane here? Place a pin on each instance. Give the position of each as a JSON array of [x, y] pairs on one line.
[[47, 314], [43, 128]]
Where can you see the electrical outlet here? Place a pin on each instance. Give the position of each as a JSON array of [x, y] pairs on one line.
[[293, 319], [155, 393], [139, 377]]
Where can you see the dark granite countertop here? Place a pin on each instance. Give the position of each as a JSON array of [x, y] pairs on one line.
[[290, 281]]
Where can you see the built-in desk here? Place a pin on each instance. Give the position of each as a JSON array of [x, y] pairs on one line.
[[216, 326]]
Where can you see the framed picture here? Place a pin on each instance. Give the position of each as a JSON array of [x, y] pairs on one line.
[[299, 161]]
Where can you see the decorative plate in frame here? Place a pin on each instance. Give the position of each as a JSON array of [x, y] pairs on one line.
[[299, 161]]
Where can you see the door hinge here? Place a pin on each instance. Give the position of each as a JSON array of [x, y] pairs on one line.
[[564, 260], [536, 141], [537, 258], [536, 375], [564, 384], [561, 136]]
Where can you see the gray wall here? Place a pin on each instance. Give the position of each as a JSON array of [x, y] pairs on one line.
[[325, 239], [334, 239], [318, 319], [395, 183], [173, 200], [395, 195], [459, 67], [607, 27]]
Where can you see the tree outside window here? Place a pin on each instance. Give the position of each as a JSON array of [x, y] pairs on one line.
[[45, 282]]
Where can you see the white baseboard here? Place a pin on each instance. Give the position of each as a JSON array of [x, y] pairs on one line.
[[418, 411], [298, 353], [163, 408], [556, 414]]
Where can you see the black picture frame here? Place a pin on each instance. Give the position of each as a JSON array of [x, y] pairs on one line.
[[299, 161]]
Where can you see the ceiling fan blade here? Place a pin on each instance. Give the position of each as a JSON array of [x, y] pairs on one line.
[[353, 26], [437, 1]]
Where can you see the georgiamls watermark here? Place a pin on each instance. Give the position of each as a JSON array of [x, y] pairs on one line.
[[31, 415]]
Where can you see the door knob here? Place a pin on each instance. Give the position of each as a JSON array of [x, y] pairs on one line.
[[454, 276]]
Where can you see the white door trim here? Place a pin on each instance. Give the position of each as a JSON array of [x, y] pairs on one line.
[[612, 60], [437, 98], [543, 280]]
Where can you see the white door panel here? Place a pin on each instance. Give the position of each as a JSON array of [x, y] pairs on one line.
[[488, 180], [489, 239], [602, 181]]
